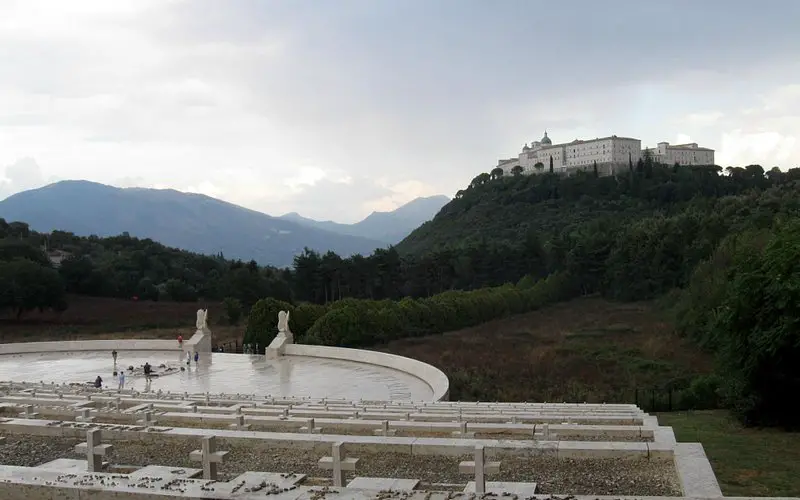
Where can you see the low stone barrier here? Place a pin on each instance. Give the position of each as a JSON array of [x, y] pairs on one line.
[[431, 375], [89, 345]]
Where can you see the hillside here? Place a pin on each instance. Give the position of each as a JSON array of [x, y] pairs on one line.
[[508, 209], [587, 349], [192, 222], [388, 227]]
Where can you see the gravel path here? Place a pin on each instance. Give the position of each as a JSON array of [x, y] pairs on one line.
[[577, 477]]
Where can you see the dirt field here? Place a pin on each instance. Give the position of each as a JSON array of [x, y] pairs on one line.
[[588, 350]]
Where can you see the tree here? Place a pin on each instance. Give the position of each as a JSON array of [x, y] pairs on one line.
[[233, 309], [551, 164], [497, 173], [26, 285], [13, 248], [517, 170], [758, 325]]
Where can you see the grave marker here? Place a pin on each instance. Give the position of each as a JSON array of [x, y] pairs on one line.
[[238, 423], [480, 468], [309, 427], [28, 413], [94, 450], [338, 464], [147, 420], [84, 415], [462, 431], [384, 430], [210, 457]]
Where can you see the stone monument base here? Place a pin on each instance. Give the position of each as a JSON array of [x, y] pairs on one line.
[[278, 345], [200, 342]]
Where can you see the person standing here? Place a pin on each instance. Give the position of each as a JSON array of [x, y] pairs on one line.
[[180, 341], [114, 355], [121, 380], [196, 357]]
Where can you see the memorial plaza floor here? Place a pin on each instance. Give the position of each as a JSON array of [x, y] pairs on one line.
[[221, 372]]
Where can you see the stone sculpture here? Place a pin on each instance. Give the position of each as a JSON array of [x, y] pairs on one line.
[[284, 337], [283, 321], [202, 319]]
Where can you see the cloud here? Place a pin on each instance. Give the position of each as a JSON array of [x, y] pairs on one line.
[[337, 109], [21, 175]]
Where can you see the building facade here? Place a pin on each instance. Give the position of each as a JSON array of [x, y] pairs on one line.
[[611, 154], [683, 154]]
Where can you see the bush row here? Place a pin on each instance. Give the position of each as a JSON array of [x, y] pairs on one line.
[[360, 323]]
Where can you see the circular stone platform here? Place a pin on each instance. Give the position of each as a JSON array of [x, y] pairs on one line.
[[300, 376]]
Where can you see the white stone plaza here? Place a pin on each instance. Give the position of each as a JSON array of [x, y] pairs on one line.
[[221, 372], [338, 424]]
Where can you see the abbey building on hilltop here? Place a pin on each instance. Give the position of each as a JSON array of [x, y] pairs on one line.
[[609, 153]]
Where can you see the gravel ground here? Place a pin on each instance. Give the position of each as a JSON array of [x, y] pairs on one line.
[[577, 477]]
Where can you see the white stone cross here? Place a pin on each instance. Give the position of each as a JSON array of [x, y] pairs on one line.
[[209, 456], [94, 450], [338, 464], [238, 423], [85, 415], [309, 427], [480, 468], [462, 431], [147, 421], [29, 413], [384, 430], [546, 432]]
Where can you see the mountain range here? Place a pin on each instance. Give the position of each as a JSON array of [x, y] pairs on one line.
[[388, 227], [207, 225]]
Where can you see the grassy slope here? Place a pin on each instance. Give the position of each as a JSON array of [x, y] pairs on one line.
[[747, 462], [585, 350]]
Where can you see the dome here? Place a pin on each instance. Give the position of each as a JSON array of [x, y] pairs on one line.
[[545, 139], [525, 147]]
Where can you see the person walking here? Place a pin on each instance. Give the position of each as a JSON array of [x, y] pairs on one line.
[[121, 380], [196, 357]]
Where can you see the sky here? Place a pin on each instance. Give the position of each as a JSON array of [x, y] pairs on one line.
[[334, 109]]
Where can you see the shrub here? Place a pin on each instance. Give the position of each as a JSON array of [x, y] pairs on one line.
[[262, 322]]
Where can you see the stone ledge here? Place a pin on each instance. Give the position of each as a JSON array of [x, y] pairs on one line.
[[431, 375]]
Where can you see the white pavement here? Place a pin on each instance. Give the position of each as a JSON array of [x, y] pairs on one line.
[[221, 372]]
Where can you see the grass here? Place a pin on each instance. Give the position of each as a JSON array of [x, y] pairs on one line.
[[588, 350], [747, 462]]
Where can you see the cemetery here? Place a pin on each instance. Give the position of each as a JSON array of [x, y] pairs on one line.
[[383, 429]]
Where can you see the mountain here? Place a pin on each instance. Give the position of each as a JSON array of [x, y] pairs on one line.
[[184, 220], [387, 227]]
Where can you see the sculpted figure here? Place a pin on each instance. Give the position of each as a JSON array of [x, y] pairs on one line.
[[283, 321], [202, 319]]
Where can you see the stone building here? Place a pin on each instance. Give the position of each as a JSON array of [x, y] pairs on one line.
[[684, 154], [611, 154]]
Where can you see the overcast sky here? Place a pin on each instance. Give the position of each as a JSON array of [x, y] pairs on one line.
[[336, 108]]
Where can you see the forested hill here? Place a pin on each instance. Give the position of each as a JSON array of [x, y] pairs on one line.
[[497, 210]]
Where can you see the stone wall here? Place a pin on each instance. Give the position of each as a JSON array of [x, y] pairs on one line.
[[431, 375], [89, 345]]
